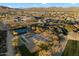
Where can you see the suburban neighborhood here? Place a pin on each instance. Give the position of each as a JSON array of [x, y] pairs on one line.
[[39, 31]]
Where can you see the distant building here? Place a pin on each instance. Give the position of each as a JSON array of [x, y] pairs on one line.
[[17, 19], [37, 17], [47, 20], [3, 15]]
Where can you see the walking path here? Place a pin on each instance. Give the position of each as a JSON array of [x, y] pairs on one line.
[[9, 44], [73, 36]]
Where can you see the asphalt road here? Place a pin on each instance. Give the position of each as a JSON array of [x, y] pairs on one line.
[[9, 39], [9, 45]]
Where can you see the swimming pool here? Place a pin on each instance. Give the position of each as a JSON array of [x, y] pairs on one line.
[[21, 30]]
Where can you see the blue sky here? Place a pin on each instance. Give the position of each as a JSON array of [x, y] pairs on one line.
[[31, 5]]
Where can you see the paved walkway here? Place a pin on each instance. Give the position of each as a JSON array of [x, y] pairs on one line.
[[9, 45], [73, 36]]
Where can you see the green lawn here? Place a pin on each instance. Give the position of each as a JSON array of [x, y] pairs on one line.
[[72, 48]]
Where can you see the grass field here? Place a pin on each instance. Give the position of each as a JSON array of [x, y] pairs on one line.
[[72, 48]]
